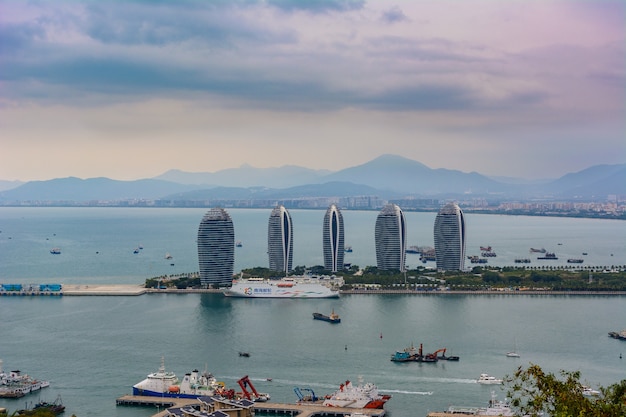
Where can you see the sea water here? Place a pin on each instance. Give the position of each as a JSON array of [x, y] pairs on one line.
[[93, 349]]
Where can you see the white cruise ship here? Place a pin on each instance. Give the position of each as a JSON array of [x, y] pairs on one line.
[[291, 287]]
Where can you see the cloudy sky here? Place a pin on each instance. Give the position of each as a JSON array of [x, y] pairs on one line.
[[130, 89]]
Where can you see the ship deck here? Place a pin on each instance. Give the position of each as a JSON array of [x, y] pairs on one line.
[[299, 410]]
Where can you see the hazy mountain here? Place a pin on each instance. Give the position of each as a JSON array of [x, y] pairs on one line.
[[402, 175], [248, 176], [386, 177], [76, 189], [9, 185]]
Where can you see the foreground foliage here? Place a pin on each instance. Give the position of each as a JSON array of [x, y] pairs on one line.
[[534, 392]]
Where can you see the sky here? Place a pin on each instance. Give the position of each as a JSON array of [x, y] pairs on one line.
[[131, 89]]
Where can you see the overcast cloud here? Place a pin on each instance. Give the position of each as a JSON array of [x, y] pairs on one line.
[[130, 89]]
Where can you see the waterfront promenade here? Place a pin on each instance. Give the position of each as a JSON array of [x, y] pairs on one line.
[[138, 289]]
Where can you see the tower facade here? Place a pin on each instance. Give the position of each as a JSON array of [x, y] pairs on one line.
[[333, 239], [390, 238], [280, 240], [449, 237], [216, 248]]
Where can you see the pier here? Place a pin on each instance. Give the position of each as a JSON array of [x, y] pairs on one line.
[[278, 409]]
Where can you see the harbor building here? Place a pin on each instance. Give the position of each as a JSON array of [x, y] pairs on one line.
[[333, 236], [280, 240], [449, 234], [216, 248], [390, 238]]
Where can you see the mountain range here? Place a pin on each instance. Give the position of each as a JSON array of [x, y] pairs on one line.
[[388, 176]]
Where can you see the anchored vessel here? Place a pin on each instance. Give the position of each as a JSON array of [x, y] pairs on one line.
[[359, 396], [332, 318], [14, 384], [167, 384], [291, 287]]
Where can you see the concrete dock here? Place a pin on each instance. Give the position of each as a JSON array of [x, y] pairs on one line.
[[299, 410]]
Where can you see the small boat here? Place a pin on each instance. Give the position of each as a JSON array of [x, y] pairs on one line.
[[238, 244], [413, 249], [513, 353], [244, 354], [589, 392], [485, 248], [136, 250], [55, 251], [542, 250], [618, 335], [487, 379], [522, 260], [585, 253], [549, 256], [55, 407], [168, 256], [332, 318], [348, 249], [575, 261]]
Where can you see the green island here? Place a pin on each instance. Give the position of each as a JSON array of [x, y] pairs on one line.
[[520, 279]]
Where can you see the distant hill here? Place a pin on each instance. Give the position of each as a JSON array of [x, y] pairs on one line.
[[248, 176], [389, 176], [9, 185], [76, 189], [402, 175]]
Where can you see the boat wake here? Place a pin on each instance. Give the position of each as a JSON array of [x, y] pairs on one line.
[[397, 391]]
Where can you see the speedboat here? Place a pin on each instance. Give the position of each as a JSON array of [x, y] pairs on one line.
[[488, 380], [589, 392]]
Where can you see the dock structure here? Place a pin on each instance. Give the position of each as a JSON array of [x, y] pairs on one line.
[[278, 409]]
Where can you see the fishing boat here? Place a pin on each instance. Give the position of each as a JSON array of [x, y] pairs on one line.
[[551, 256], [291, 287], [487, 379], [167, 384], [332, 318], [534, 250], [356, 396]]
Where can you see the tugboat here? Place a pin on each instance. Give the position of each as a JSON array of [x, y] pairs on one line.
[[332, 318]]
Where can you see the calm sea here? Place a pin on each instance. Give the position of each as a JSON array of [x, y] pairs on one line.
[[93, 349]]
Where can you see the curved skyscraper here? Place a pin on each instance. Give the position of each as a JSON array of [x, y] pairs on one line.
[[333, 244], [280, 240], [450, 238], [391, 238], [216, 248]]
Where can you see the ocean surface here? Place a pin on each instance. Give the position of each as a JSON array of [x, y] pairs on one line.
[[93, 349]]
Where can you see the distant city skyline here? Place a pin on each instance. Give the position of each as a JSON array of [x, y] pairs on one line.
[[129, 90]]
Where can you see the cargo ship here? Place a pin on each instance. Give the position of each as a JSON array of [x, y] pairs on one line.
[[291, 287], [167, 384], [332, 318]]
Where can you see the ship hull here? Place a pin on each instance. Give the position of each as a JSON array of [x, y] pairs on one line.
[[274, 290], [148, 393]]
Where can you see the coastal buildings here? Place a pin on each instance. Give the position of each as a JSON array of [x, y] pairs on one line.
[[449, 236], [333, 235], [216, 248], [280, 240], [390, 238]]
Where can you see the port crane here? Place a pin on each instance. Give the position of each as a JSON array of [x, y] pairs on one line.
[[254, 396], [303, 397]]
